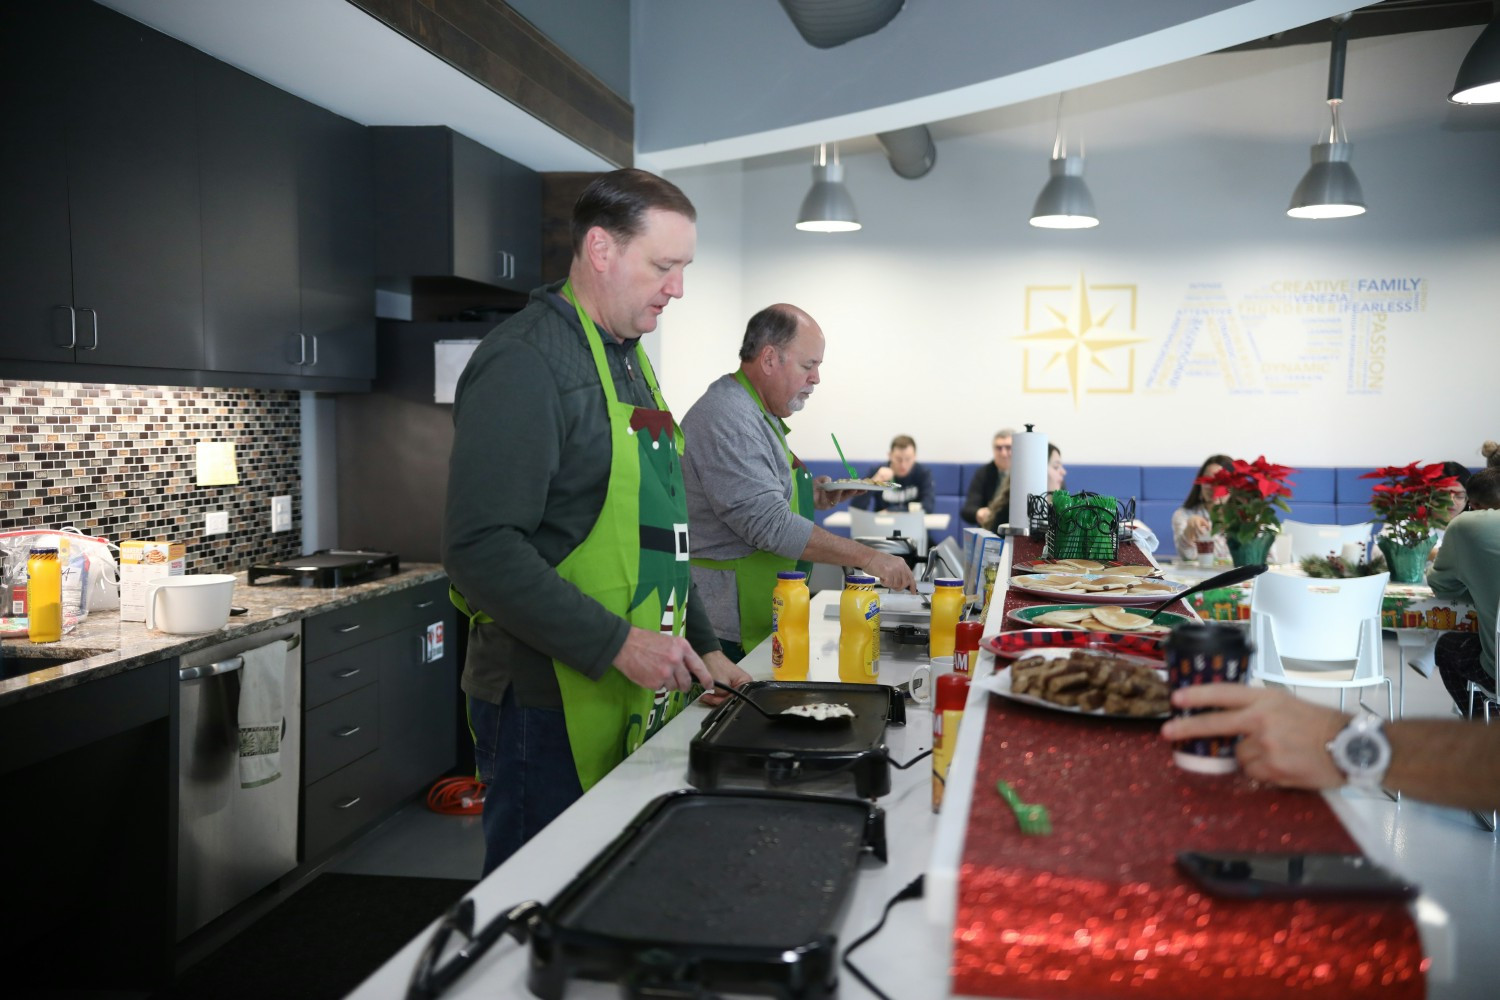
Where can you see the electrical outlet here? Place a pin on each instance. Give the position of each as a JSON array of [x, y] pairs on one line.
[[216, 522], [281, 513]]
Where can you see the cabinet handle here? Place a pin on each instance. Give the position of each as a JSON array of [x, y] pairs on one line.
[[346, 629], [72, 329], [315, 350], [95, 345], [302, 347], [345, 674], [347, 803], [426, 604], [342, 733]]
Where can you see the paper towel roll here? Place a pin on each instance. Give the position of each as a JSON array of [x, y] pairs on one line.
[[1028, 474]]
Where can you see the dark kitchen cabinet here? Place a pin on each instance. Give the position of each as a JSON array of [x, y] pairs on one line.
[[288, 232], [251, 284], [336, 244], [102, 254], [448, 207], [380, 713]]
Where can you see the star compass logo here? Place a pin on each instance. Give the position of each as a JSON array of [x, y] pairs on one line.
[[1080, 339]]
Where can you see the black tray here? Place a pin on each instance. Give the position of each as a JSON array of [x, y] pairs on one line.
[[737, 746], [712, 891]]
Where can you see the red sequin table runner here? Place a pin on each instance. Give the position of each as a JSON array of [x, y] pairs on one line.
[[1099, 908]]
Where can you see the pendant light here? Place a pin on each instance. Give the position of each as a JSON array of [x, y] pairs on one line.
[[1329, 189], [828, 208], [1065, 202], [1478, 80]]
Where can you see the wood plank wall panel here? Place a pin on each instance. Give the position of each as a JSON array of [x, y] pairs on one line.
[[489, 42], [560, 191]]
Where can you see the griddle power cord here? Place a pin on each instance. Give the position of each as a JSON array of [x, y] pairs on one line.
[[913, 890], [457, 796]]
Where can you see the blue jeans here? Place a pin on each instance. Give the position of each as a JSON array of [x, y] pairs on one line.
[[526, 764]]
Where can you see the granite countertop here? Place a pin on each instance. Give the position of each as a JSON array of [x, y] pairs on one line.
[[102, 645]]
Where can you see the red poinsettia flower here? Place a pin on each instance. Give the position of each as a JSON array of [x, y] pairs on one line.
[[1245, 496], [1410, 497]]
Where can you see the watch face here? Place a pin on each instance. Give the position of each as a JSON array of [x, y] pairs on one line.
[[1362, 752]]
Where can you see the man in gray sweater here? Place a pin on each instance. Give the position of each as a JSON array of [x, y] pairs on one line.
[[750, 499]]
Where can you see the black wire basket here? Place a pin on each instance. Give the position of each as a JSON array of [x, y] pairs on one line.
[[1080, 525]]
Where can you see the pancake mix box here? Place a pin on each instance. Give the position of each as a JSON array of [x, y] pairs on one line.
[[142, 562]]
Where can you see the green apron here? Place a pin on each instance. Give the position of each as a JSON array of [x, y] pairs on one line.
[[755, 574], [634, 562]]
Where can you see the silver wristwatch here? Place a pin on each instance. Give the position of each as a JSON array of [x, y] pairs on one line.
[[1361, 751]]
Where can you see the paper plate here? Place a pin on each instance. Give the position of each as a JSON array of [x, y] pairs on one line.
[[1026, 615], [1009, 645], [999, 683], [1030, 584]]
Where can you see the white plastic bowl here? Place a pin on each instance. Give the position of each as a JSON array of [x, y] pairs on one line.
[[186, 604]]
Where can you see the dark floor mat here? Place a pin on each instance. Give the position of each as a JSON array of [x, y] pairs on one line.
[[323, 941]]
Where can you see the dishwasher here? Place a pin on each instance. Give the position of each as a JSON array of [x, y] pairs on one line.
[[231, 841]]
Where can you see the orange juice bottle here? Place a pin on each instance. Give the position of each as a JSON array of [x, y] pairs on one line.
[[947, 609], [859, 631], [44, 619], [789, 627]]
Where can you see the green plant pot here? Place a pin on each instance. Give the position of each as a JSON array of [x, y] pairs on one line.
[[1253, 552], [1408, 563]]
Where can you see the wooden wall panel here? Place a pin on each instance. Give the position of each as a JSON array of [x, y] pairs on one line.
[[490, 42]]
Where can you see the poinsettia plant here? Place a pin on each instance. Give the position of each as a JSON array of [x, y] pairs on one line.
[[1409, 497], [1245, 496]]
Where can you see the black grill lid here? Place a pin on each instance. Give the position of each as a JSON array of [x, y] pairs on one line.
[[328, 568], [728, 890]]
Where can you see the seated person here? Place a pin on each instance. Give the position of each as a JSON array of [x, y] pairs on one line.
[[1468, 570], [1191, 522], [1491, 452], [997, 511], [901, 467], [1057, 475], [986, 480]]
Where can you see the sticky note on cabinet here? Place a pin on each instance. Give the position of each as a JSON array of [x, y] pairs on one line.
[[216, 464]]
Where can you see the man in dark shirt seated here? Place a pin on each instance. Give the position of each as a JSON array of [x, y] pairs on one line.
[[986, 480], [913, 478]]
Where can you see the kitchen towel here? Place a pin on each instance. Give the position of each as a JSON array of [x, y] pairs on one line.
[[1028, 475], [262, 696]]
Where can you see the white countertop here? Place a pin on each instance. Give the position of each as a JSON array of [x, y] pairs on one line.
[[1457, 864]]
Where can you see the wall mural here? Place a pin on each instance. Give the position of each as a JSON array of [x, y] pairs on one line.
[[1287, 337], [1080, 339]]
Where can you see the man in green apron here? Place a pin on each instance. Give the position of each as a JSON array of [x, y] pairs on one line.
[[750, 499], [565, 534]]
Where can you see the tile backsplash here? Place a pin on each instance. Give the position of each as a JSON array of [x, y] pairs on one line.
[[121, 460]]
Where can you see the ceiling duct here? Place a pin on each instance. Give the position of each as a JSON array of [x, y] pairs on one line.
[[910, 150], [828, 23]]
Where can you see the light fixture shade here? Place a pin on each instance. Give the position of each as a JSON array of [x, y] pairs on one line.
[[1478, 80], [828, 208], [1329, 189], [1065, 203]]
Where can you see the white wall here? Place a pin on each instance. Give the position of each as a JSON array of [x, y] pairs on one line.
[[1192, 167]]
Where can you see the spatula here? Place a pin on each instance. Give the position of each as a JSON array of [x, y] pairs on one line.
[[849, 468], [787, 714], [1228, 578]]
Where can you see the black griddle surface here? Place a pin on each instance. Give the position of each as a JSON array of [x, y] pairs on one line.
[[742, 727], [752, 872]]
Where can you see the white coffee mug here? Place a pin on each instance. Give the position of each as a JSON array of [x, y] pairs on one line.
[[924, 678], [187, 604]]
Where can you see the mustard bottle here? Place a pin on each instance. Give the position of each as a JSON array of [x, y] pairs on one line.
[[947, 608], [859, 631], [44, 595]]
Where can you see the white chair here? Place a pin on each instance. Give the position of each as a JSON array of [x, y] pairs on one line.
[[868, 524], [1309, 632], [1300, 539]]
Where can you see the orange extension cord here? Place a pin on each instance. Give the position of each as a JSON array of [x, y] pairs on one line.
[[456, 797]]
